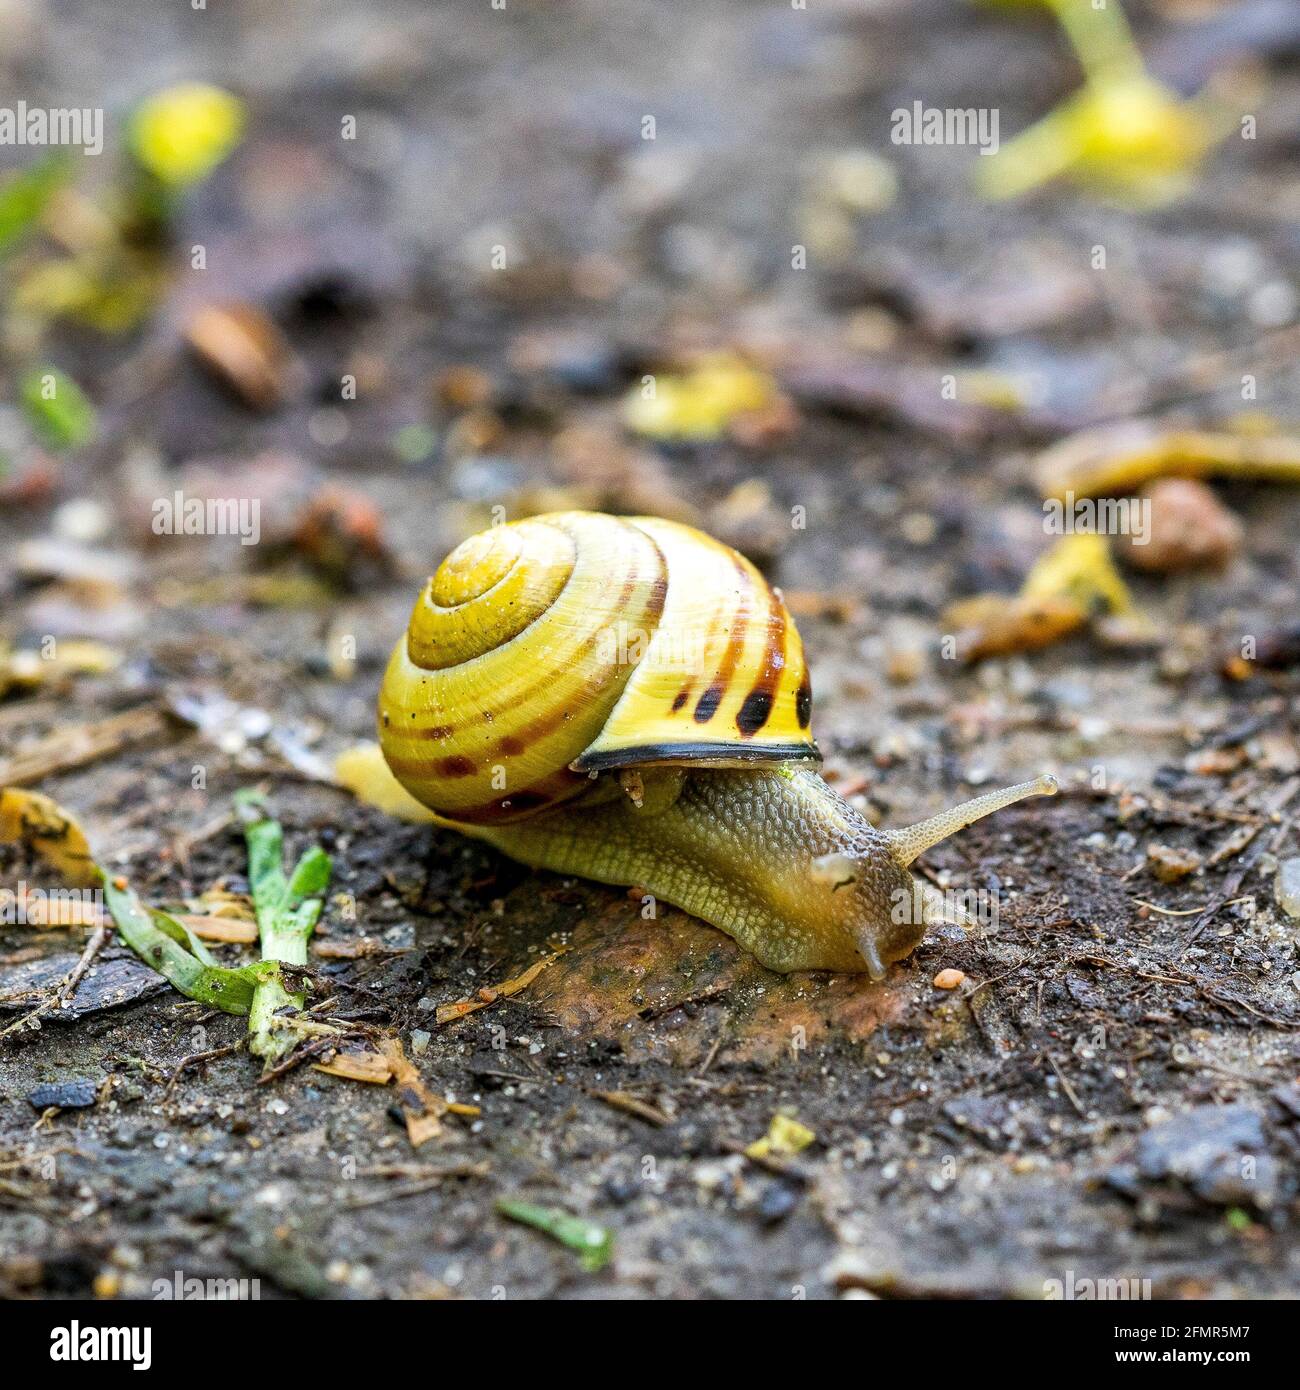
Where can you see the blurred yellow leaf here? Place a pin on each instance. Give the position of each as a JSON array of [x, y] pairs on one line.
[[700, 404], [183, 132], [1122, 133], [30, 670], [1132, 138], [785, 1137], [34, 820], [1079, 568]]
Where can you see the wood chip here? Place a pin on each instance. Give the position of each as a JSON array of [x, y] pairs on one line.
[[78, 745], [240, 345], [354, 950], [214, 927], [420, 1107], [358, 1066], [489, 994], [634, 1105]]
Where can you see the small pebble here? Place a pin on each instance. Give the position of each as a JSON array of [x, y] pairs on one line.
[[67, 1095], [1190, 529], [83, 520], [1170, 864], [1287, 886], [903, 665], [776, 1203], [949, 979]]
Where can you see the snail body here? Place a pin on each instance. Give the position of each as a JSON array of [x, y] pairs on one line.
[[626, 699]]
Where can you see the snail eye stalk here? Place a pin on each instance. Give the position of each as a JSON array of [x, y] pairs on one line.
[[913, 840]]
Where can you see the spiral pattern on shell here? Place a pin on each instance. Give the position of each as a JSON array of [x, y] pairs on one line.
[[543, 651]]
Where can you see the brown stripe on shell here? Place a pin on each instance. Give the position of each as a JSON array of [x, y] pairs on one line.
[[707, 705], [557, 786], [757, 705], [437, 732], [803, 702]]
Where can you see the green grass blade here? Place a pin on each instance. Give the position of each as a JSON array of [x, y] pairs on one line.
[[25, 196], [594, 1244], [287, 913], [230, 990]]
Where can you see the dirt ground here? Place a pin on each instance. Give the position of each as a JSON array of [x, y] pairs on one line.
[[1114, 1089]]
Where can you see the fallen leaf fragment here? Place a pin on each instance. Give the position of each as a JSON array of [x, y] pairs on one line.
[[634, 1105], [701, 404], [421, 1109], [43, 826], [1073, 582], [241, 346], [216, 927], [1079, 567], [31, 670], [998, 624], [489, 994], [785, 1137], [1119, 458], [52, 908], [358, 1066]]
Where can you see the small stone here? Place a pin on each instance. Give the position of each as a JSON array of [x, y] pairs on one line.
[[1169, 864], [1189, 529], [1215, 1150], [776, 1203], [1286, 886], [903, 665], [83, 520], [949, 979], [858, 180], [918, 528], [67, 1095], [621, 1191]]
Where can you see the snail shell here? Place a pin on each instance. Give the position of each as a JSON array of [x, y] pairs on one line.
[[548, 649]]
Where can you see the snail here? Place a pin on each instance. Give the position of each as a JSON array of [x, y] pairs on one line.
[[626, 699]]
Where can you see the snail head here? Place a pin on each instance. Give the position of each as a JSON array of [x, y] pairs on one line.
[[874, 896]]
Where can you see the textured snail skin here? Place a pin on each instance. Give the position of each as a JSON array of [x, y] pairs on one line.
[[737, 849]]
